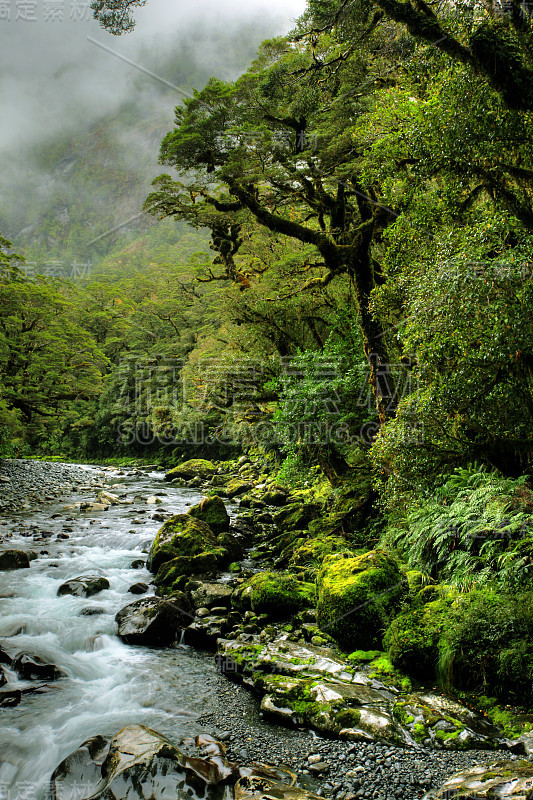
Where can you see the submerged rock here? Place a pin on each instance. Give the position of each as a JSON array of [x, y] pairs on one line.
[[503, 780], [84, 586], [34, 668], [152, 621], [14, 559], [141, 764]]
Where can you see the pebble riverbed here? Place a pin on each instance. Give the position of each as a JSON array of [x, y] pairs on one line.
[[333, 769]]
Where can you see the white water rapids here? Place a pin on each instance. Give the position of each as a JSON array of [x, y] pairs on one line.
[[109, 684]]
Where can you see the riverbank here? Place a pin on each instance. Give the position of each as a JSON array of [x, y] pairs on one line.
[[176, 690]]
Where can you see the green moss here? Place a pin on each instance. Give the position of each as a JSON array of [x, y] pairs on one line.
[[276, 594], [399, 713], [348, 717], [419, 732], [357, 596], [195, 467], [235, 488], [296, 516], [364, 656], [213, 512], [412, 639], [201, 564], [313, 551], [181, 535], [510, 723]]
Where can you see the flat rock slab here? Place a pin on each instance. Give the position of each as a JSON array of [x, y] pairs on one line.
[[141, 764], [311, 687], [503, 780], [288, 658]]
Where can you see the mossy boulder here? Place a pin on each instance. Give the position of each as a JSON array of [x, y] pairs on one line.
[[213, 512], [311, 553], [277, 594], [413, 637], [195, 468], [201, 565], [231, 545], [358, 596], [296, 516], [181, 536], [236, 488]]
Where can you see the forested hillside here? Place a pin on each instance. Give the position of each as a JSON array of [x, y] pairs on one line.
[[333, 274]]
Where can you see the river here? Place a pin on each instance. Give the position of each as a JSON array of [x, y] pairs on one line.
[[109, 684]]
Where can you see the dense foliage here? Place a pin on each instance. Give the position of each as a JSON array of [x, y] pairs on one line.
[[341, 278]]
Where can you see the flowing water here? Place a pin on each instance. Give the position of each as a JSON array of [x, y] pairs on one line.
[[109, 684]]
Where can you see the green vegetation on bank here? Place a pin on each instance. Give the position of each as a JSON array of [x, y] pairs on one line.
[[339, 287]]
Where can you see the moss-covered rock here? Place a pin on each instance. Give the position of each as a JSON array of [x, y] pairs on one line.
[[213, 512], [296, 516], [235, 488], [501, 780], [277, 594], [232, 546], [200, 565], [196, 467], [312, 552], [181, 536], [358, 596], [412, 639]]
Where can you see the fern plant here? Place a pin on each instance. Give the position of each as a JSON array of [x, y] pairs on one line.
[[477, 528]]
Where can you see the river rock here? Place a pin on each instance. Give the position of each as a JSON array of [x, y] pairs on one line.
[[109, 498], [182, 536], [87, 506], [137, 763], [141, 764], [208, 595], [153, 621], [34, 668], [84, 586], [153, 500], [312, 687], [204, 632], [503, 780], [213, 512], [138, 588], [10, 699], [14, 559], [195, 467]]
